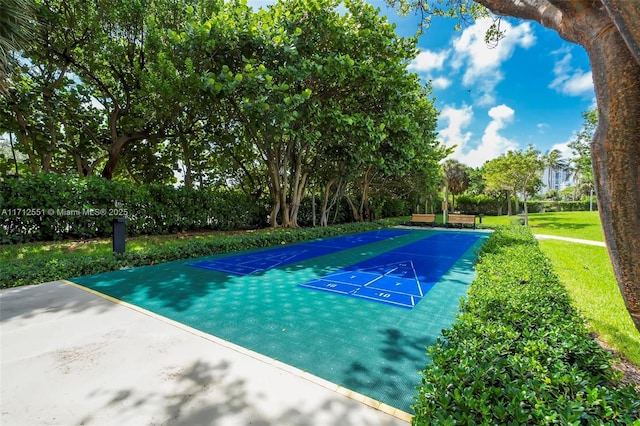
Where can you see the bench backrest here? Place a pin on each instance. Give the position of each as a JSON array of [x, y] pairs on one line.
[[419, 217], [462, 218]]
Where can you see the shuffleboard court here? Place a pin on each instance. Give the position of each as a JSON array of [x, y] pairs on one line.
[[372, 348], [400, 277], [246, 264]]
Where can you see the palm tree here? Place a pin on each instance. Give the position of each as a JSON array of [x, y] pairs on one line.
[[15, 31], [456, 179], [554, 161]]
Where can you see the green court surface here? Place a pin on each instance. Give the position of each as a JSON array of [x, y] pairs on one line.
[[335, 315]]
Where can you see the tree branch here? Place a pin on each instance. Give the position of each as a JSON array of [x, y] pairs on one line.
[[541, 11]]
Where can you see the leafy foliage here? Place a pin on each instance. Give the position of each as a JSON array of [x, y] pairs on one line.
[[52, 207], [519, 353]]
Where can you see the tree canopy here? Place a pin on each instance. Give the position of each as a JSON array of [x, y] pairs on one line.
[[305, 95]]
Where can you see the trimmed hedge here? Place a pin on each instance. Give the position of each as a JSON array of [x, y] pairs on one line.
[[519, 353], [561, 206], [34, 271], [48, 207], [483, 204]]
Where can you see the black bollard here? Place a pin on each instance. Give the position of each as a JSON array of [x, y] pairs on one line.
[[119, 234]]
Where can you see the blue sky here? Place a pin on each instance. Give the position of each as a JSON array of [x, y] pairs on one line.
[[530, 89]]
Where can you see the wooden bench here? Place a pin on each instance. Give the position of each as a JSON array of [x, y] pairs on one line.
[[429, 219], [462, 219]]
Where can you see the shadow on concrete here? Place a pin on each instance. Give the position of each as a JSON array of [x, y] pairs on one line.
[[54, 297], [206, 396]]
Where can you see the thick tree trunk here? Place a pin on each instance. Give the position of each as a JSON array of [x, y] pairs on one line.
[[616, 159], [110, 166], [354, 210], [275, 209]]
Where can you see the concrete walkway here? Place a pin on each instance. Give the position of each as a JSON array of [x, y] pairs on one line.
[[69, 357], [571, 240]]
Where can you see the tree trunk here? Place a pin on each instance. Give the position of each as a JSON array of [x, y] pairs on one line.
[[186, 156], [616, 159], [275, 209], [114, 150], [110, 166], [23, 138], [326, 205], [366, 183], [354, 210], [445, 204], [313, 209]]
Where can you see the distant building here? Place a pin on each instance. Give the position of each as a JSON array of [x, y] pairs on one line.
[[558, 179]]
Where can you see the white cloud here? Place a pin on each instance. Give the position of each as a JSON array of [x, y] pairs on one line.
[[541, 127], [565, 152], [570, 81], [440, 82], [483, 63], [457, 120], [491, 145], [428, 61]]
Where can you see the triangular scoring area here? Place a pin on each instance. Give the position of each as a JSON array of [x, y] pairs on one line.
[[398, 277], [392, 283]]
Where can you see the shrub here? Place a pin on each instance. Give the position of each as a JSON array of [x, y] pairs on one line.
[[482, 204], [560, 206], [48, 207], [519, 353]]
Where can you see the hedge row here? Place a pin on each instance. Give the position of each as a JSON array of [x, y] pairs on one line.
[[560, 206], [483, 204], [519, 353], [48, 207], [33, 271]]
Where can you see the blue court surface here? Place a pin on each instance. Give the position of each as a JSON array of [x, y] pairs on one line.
[[399, 277], [245, 264], [357, 310]]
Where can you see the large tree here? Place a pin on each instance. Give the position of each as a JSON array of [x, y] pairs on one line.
[[609, 30]]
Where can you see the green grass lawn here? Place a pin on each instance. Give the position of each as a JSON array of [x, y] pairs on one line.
[[583, 225], [587, 275], [102, 246]]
